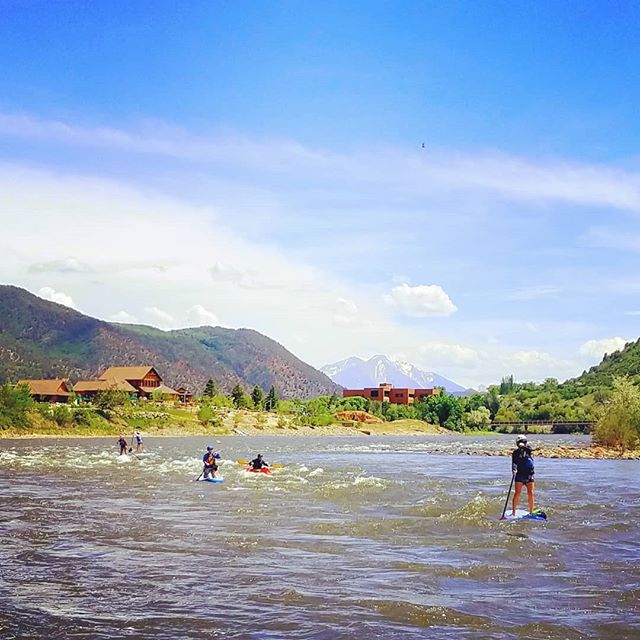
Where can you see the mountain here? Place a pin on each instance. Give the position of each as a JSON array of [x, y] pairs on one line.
[[41, 339], [355, 373]]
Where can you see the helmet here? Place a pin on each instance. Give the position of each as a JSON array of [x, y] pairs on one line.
[[520, 439], [209, 448]]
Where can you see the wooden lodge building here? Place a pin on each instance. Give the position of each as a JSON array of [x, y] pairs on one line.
[[139, 382], [57, 390], [387, 393]]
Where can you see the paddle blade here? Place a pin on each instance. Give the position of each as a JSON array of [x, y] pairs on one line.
[[277, 466], [242, 462]]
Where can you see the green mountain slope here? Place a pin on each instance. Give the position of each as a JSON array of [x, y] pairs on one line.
[[44, 339], [625, 362]]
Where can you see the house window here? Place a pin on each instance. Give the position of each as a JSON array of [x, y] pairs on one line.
[[374, 394]]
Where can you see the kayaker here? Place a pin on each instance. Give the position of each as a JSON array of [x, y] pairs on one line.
[[523, 470], [123, 444], [258, 463], [209, 461], [139, 445]]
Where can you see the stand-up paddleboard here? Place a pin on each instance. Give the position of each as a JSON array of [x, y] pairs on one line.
[[263, 470], [215, 480], [523, 514]]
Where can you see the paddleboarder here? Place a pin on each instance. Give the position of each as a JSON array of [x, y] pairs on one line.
[[523, 471], [123, 444], [138, 440], [209, 461]]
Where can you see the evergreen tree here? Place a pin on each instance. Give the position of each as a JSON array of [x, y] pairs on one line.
[[257, 395], [271, 402], [210, 389], [238, 397]]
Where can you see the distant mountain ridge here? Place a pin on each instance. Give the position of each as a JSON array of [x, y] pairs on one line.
[[43, 339], [356, 373]]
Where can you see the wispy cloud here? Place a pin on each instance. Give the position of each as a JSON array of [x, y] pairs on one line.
[[534, 293], [65, 265], [511, 177]]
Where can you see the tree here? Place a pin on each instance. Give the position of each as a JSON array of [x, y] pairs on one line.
[[257, 396], [507, 385], [238, 397], [106, 401], [210, 389], [271, 402], [493, 402]]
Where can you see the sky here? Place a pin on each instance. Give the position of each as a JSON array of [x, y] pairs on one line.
[[454, 184]]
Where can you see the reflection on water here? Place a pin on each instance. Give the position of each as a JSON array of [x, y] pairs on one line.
[[355, 537]]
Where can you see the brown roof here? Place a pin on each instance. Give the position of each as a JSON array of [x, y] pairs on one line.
[[55, 387], [127, 373], [112, 384], [162, 389]]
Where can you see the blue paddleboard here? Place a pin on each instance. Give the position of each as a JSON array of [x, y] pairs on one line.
[[215, 480], [523, 514]]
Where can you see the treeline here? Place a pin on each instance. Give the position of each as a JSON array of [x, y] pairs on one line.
[[520, 402]]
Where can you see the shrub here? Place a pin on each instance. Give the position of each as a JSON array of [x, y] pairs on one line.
[[619, 425], [477, 419], [61, 415], [15, 403], [81, 417]]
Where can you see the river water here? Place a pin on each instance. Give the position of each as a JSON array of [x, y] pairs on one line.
[[355, 538]]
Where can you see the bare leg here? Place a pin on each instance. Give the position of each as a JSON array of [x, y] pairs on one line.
[[516, 497], [530, 493]]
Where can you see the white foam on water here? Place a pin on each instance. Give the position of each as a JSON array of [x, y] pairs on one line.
[[316, 472]]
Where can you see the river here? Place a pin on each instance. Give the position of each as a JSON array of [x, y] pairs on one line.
[[354, 538]]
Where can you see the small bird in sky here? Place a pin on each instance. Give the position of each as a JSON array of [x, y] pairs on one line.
[[423, 145]]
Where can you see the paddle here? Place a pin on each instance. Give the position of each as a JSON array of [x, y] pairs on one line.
[[200, 476], [506, 502], [131, 447]]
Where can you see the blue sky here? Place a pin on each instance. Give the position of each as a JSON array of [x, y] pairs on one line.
[[261, 164]]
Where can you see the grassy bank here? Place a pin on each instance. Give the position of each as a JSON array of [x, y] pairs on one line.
[[168, 420]]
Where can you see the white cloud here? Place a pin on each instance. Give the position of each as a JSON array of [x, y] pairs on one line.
[[48, 293], [597, 348], [161, 318], [422, 300], [244, 278], [436, 353], [198, 316], [123, 316], [532, 357], [345, 312]]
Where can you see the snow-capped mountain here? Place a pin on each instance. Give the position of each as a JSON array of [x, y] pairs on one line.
[[356, 373]]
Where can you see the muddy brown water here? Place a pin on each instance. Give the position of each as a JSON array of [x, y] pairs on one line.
[[354, 538]]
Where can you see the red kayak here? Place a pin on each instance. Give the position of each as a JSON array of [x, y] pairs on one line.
[[263, 470]]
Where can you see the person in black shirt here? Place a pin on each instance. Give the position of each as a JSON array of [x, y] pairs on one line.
[[258, 463], [523, 470], [123, 444]]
